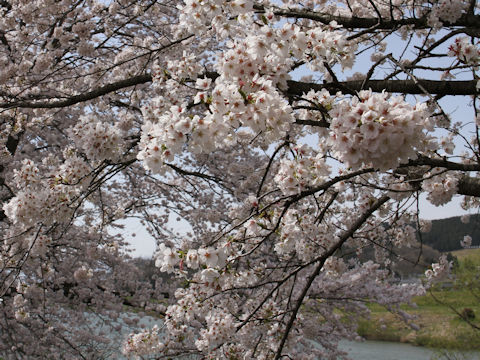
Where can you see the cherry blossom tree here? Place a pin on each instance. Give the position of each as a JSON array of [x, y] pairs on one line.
[[167, 111]]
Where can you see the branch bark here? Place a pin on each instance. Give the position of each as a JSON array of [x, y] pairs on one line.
[[75, 99], [295, 88], [469, 20], [469, 186], [434, 87]]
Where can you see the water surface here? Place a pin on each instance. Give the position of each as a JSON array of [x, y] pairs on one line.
[[383, 350]]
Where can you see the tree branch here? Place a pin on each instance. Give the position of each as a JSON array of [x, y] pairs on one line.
[[443, 163], [119, 85], [393, 86], [294, 88], [469, 186], [470, 20], [321, 261]]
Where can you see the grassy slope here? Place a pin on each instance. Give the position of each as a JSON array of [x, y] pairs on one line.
[[439, 325], [473, 254]]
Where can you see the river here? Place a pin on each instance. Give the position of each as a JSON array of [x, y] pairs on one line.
[[382, 350]]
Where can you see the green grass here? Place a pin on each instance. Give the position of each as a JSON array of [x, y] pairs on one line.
[[473, 254], [439, 325]]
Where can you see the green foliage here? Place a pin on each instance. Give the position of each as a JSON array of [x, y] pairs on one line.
[[467, 273], [377, 330], [468, 314], [445, 354]]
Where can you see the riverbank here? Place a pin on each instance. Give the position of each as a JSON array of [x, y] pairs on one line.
[[438, 327], [438, 314]]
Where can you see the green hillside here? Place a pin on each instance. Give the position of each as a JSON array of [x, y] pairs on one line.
[[446, 234], [439, 315]]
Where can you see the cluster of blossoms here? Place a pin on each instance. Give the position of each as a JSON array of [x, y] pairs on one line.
[[364, 9], [328, 45], [375, 129], [270, 49], [169, 79], [161, 140], [303, 172], [166, 258], [245, 110], [439, 270], [447, 144], [400, 188], [246, 58], [273, 51], [19, 302], [143, 343], [440, 186], [183, 67], [244, 102], [27, 175], [465, 51], [264, 273], [405, 236], [321, 99], [446, 11], [197, 16], [302, 235], [219, 327], [37, 244], [255, 106], [425, 226], [197, 305], [99, 140], [466, 242], [46, 197], [83, 274]]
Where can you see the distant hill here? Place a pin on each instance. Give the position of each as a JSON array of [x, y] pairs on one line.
[[446, 234], [407, 262]]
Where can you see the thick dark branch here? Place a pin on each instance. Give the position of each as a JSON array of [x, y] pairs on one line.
[[442, 163], [75, 99], [294, 88], [393, 86], [317, 123], [469, 186], [470, 20], [119, 85]]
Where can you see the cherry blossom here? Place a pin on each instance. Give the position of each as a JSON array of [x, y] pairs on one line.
[[276, 153], [465, 51], [378, 130]]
